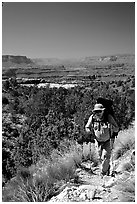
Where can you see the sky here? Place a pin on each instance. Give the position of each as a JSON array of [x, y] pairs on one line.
[[68, 29]]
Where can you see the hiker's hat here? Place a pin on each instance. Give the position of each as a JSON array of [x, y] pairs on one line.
[[98, 107]]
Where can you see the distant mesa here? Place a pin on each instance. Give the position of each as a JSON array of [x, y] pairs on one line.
[[11, 61], [16, 59], [110, 58]]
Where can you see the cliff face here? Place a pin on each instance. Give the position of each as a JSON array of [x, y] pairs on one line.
[[16, 59]]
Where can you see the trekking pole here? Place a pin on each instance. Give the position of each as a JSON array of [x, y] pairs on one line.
[[90, 154], [111, 146], [82, 150]]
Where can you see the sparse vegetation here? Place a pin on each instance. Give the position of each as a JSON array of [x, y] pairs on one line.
[[41, 181], [128, 189], [128, 167], [41, 126], [125, 142]]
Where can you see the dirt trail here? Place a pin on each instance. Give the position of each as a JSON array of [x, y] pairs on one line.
[[91, 187]]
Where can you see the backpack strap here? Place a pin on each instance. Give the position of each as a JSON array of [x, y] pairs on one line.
[[98, 121], [105, 120]]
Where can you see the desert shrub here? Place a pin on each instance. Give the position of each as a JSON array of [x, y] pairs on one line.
[[128, 167], [4, 100], [27, 190], [130, 186], [119, 83], [54, 115], [9, 139], [133, 82], [124, 142], [41, 181], [123, 148], [127, 188], [90, 153]]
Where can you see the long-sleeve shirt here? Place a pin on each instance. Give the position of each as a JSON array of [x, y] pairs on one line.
[[102, 130]]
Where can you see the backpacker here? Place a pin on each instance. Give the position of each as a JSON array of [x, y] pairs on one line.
[[108, 105], [102, 129]]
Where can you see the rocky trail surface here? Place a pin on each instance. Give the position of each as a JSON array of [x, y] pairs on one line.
[[89, 186]]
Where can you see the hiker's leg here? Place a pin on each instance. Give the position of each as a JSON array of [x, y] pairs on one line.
[[99, 151], [112, 142], [106, 156], [113, 137], [96, 144]]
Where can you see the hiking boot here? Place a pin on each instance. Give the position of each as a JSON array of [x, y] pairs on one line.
[[113, 173], [105, 173], [102, 174]]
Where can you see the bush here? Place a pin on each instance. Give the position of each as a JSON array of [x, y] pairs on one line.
[[52, 116], [41, 181], [128, 167], [124, 142], [127, 188]]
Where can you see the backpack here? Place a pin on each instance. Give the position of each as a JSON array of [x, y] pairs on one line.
[[108, 105]]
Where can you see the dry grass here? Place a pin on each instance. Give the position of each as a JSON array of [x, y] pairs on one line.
[[89, 152], [124, 142], [22, 191], [127, 187], [124, 146], [45, 178], [128, 167]]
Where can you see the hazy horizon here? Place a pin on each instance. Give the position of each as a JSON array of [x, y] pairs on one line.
[[80, 57], [65, 30]]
